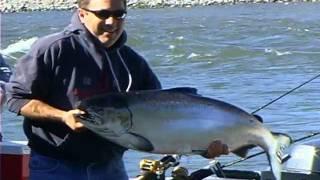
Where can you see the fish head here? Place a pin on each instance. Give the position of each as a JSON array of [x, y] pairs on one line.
[[108, 116], [107, 121]]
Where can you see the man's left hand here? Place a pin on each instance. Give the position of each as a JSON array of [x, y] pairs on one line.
[[215, 149]]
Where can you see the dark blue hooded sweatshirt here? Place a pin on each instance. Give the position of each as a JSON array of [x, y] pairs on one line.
[[62, 69]]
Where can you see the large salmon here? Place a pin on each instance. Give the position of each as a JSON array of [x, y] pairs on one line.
[[179, 121]]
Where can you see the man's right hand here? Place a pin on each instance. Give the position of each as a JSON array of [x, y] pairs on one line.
[[41, 111], [71, 120]]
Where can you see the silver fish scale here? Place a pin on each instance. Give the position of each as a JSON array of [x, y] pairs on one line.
[[179, 118]]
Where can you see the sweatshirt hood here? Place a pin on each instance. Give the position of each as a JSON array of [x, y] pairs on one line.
[[77, 27]]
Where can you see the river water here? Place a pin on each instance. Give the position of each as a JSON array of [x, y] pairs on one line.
[[245, 54]]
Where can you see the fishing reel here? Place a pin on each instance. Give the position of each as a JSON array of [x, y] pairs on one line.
[[156, 169]]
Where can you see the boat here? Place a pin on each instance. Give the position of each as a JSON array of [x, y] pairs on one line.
[[301, 163], [14, 160]]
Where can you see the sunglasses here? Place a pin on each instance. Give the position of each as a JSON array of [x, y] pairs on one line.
[[105, 14]]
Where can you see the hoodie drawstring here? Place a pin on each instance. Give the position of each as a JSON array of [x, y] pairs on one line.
[[114, 74], [127, 69]]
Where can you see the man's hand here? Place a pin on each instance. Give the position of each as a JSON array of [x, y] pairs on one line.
[[71, 120], [39, 110], [215, 149]]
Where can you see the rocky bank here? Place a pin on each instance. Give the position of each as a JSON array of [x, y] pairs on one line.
[[7, 6]]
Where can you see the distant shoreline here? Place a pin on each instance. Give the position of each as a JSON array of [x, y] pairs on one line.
[[9, 6]]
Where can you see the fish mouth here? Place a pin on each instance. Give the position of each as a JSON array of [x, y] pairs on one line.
[[90, 117], [120, 121]]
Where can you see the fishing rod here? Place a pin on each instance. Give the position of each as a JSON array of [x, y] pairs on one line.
[[216, 168], [260, 119], [285, 94], [264, 106], [262, 152]]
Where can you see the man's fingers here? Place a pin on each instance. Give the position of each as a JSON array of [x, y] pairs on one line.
[[71, 120], [225, 149], [217, 148], [78, 112], [79, 125]]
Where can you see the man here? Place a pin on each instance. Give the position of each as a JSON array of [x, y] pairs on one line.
[[5, 70], [88, 58], [5, 73]]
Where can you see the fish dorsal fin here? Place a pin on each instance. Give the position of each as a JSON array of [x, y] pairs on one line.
[[188, 90], [243, 151]]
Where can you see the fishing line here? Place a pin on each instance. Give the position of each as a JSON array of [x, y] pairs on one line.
[[264, 106], [262, 152], [203, 173], [285, 94]]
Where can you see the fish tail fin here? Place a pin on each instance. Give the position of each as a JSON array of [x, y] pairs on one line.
[[275, 153]]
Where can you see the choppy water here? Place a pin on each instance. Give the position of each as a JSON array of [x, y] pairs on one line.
[[244, 54]]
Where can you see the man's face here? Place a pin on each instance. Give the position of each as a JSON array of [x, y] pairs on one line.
[[106, 25]]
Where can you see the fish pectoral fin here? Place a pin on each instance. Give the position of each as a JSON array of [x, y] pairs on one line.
[[140, 143], [243, 151]]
